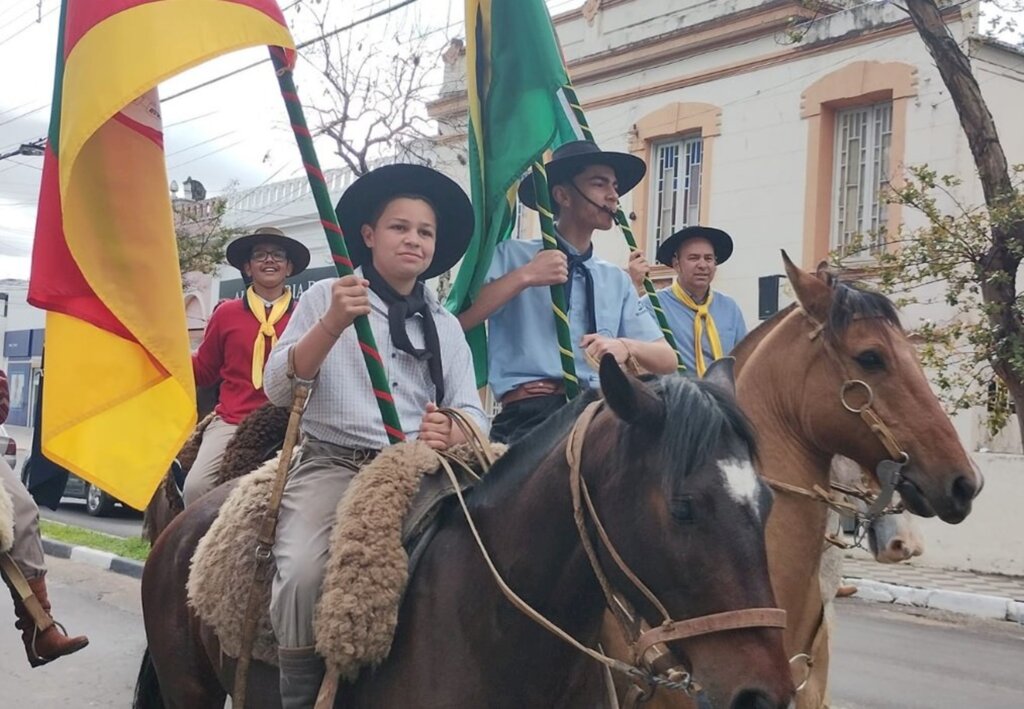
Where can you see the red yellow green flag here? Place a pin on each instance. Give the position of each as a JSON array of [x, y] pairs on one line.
[[119, 398]]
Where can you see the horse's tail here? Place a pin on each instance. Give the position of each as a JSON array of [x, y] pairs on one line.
[[147, 686]]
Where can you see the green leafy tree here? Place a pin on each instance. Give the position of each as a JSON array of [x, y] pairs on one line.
[[201, 234], [968, 253]]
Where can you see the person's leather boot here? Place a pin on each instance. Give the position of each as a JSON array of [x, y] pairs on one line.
[[45, 639], [302, 671]]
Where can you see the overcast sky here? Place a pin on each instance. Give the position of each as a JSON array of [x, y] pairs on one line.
[[232, 132]]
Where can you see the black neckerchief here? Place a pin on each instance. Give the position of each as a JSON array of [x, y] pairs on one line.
[[576, 263], [402, 307]]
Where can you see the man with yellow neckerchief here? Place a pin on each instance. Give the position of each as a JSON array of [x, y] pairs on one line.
[[238, 340], [695, 313]]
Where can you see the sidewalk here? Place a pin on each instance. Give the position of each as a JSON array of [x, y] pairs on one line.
[[982, 595]]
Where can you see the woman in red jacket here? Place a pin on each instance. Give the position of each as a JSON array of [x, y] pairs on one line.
[[24, 568], [238, 340]]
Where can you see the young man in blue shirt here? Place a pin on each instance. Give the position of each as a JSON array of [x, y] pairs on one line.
[[605, 315], [694, 311]]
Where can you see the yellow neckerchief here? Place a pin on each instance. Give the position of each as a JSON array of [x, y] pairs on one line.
[[277, 311], [703, 315]]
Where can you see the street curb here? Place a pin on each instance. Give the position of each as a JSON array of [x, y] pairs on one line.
[[101, 559], [978, 605]]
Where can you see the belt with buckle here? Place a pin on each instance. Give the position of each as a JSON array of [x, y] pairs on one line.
[[531, 390]]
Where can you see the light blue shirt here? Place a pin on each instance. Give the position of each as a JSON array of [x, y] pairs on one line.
[[522, 345], [728, 321]]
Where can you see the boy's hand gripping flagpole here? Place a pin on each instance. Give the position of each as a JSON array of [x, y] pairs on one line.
[[627, 231], [339, 252], [547, 228]]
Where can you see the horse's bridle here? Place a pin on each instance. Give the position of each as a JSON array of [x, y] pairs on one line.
[[653, 663], [889, 471], [648, 646]]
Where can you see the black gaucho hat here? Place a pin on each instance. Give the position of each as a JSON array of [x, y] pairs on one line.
[[240, 249], [570, 159], [452, 208], [720, 242]]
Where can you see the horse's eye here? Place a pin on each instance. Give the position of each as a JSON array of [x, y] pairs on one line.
[[682, 508], [870, 360]]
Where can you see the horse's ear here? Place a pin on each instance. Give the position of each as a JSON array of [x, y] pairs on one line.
[[629, 398], [814, 296], [722, 372], [824, 273]]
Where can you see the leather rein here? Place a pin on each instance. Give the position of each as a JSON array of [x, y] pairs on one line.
[[653, 664]]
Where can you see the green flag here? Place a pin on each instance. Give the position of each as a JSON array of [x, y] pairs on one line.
[[517, 111]]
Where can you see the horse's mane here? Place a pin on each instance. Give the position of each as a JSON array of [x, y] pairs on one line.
[[697, 414], [523, 457], [853, 302], [850, 302]]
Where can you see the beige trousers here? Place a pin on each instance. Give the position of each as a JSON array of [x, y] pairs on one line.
[[319, 476], [27, 551], [202, 477]]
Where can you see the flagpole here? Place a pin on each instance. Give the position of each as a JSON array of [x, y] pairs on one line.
[[627, 231], [547, 228], [339, 252]]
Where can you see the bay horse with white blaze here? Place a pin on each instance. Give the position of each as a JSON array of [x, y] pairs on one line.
[[669, 465]]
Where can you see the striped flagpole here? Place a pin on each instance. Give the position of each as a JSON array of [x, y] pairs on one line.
[[627, 231], [339, 252], [547, 228]]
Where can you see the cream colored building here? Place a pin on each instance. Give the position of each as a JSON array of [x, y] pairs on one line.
[[786, 145], [778, 123]]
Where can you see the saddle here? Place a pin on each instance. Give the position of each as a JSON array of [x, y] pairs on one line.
[[372, 556]]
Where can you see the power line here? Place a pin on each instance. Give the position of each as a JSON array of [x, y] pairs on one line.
[[7, 39], [301, 45], [26, 113]]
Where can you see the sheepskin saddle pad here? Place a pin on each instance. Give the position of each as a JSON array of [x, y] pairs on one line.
[[388, 503], [6, 521]]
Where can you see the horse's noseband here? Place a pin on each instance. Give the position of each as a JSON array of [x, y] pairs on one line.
[[649, 645]]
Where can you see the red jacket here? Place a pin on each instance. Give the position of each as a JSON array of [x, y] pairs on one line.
[[225, 357]]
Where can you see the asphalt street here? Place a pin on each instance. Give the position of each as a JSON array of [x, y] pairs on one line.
[[122, 522], [882, 657], [103, 605]]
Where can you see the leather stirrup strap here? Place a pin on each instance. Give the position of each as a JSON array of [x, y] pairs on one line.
[[268, 530], [19, 584]]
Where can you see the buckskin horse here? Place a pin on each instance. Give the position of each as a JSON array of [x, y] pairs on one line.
[[810, 380], [669, 466]]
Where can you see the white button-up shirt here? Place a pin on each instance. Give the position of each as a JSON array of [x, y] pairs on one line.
[[342, 408]]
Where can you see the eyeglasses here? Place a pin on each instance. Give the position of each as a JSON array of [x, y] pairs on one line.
[[278, 255]]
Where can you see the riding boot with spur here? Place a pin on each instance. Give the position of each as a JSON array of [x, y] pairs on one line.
[[45, 639], [302, 671]]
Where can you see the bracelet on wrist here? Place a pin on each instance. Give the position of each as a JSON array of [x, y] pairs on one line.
[[327, 329]]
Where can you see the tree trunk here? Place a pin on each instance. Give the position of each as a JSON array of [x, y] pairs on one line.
[[1007, 238]]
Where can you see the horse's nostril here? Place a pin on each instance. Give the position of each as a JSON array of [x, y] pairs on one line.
[[897, 546], [963, 490], [752, 699]]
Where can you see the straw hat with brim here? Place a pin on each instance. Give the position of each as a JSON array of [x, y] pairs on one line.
[[452, 208], [720, 242], [240, 249], [570, 159]]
